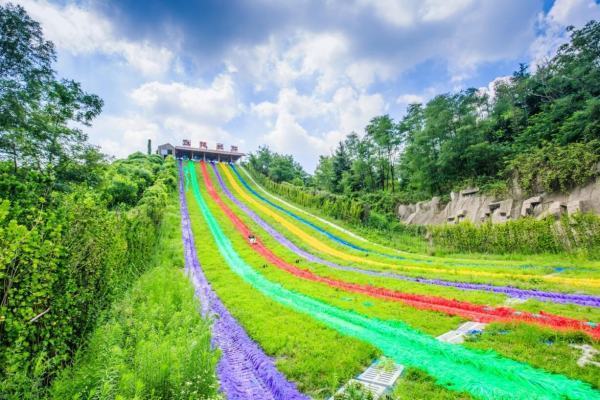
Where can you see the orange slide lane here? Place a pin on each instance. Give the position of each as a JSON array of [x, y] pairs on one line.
[[463, 309]]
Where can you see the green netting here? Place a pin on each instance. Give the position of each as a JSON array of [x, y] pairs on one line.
[[485, 375]]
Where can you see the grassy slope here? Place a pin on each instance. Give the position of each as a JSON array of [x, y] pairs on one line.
[[317, 358], [448, 268], [153, 343], [533, 351], [391, 240], [418, 245], [479, 297], [309, 358]]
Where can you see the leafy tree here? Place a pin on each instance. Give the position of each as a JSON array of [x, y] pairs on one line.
[[384, 134], [261, 160], [38, 112], [323, 177], [340, 165], [280, 168]]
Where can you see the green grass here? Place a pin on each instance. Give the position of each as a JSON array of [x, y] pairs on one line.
[[479, 297], [429, 322], [153, 343], [416, 385], [538, 346]]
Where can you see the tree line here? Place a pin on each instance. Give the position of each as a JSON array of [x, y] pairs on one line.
[[538, 129]]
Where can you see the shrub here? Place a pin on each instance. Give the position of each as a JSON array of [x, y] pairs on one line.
[[556, 168], [60, 271], [122, 190], [154, 345], [574, 233]]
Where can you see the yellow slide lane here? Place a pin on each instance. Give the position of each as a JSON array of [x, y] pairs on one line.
[[317, 244]]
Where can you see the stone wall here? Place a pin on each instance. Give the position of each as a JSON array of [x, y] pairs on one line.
[[472, 205]]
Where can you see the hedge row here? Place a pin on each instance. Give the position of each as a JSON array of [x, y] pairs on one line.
[[577, 233]]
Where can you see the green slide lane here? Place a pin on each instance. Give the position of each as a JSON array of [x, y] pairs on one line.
[[485, 375]]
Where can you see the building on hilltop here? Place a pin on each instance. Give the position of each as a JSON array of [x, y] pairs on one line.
[[186, 151]]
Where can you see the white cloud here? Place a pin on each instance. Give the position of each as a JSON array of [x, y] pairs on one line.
[[123, 135], [463, 34], [365, 72], [288, 136], [439, 10], [79, 30], [406, 99], [562, 14], [176, 128], [289, 117], [215, 104], [288, 100], [281, 61], [354, 110], [574, 12], [405, 13], [191, 112], [169, 112]]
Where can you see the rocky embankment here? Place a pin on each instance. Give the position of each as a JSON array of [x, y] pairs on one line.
[[472, 205]]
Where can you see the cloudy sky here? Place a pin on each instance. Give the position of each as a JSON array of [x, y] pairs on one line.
[[296, 75]]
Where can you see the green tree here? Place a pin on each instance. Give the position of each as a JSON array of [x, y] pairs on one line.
[[280, 168], [38, 112], [384, 134]]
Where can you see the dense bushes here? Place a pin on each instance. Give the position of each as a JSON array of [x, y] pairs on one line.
[[277, 167], [61, 267], [74, 229], [557, 168], [154, 344], [578, 233]]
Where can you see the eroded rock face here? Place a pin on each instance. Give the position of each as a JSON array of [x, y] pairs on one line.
[[528, 207], [423, 211], [470, 204], [500, 211]]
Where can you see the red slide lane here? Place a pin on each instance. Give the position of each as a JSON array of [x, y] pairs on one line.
[[452, 307]]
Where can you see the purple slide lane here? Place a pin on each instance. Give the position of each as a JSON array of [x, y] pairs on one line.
[[244, 370], [555, 297]]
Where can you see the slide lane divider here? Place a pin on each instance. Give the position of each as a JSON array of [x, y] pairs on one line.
[[463, 309], [244, 370], [317, 244], [555, 297], [484, 374]]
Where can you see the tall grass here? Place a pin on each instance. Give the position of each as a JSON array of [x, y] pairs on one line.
[[153, 343], [576, 234]]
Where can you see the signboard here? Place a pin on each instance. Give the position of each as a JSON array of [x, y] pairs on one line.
[[187, 142]]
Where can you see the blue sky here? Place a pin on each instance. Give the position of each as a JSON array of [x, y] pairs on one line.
[[295, 75]]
